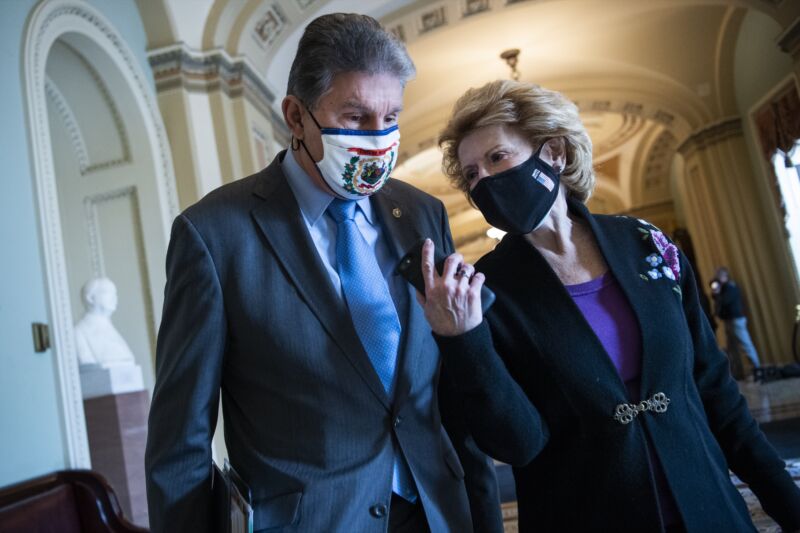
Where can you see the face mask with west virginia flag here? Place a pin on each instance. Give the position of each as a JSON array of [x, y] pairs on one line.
[[357, 163]]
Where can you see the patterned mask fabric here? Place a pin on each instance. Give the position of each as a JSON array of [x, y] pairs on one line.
[[356, 163], [519, 198]]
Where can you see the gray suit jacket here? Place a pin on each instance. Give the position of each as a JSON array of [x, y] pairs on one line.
[[249, 311]]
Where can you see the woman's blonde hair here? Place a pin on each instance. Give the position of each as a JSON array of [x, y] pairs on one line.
[[537, 113]]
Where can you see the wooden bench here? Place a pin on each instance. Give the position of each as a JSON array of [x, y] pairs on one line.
[[63, 502]]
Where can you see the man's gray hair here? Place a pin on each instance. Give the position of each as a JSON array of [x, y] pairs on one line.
[[344, 42]]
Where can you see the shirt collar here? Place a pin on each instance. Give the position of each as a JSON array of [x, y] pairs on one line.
[[312, 201]]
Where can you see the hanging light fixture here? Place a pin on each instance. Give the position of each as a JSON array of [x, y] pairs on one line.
[[511, 56]]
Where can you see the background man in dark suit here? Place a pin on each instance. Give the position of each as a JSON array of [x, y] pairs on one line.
[[281, 295], [728, 307]]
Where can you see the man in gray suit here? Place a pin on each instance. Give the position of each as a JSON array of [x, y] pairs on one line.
[[281, 295]]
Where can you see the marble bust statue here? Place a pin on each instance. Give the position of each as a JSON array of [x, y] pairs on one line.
[[98, 341]]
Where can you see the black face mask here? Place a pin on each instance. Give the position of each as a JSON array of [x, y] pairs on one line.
[[518, 199]]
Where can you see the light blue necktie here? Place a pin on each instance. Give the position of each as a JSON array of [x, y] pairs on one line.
[[373, 312]]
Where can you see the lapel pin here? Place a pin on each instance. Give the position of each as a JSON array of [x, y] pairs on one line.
[[396, 212]]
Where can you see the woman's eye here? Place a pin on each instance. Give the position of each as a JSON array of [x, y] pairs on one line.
[[497, 156]]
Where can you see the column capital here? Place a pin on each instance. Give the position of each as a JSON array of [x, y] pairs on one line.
[[178, 66], [710, 135]]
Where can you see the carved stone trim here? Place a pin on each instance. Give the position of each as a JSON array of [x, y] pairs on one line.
[[50, 20], [63, 109], [177, 66], [711, 135]]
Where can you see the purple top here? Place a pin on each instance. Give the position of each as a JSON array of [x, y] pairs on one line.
[[608, 312]]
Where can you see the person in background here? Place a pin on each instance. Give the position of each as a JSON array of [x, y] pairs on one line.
[[595, 373], [728, 308]]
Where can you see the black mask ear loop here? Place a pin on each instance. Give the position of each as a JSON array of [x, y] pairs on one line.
[[313, 118], [538, 154], [311, 157], [300, 141], [294, 144]]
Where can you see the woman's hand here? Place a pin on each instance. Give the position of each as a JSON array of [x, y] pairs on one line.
[[452, 300]]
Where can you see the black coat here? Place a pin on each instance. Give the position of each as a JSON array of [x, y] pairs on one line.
[[541, 393]]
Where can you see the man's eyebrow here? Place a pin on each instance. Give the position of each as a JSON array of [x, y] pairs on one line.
[[357, 105], [354, 104]]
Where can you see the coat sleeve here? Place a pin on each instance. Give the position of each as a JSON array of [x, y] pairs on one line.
[[480, 479], [189, 354], [500, 417], [749, 454]]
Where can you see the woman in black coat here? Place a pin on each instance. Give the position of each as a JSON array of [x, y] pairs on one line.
[[595, 374]]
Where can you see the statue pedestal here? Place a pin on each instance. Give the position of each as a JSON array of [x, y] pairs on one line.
[[98, 381], [116, 406]]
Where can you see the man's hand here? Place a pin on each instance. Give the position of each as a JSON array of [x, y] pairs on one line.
[[452, 300]]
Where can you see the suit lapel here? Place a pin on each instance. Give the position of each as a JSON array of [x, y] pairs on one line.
[[400, 229], [282, 225], [625, 252]]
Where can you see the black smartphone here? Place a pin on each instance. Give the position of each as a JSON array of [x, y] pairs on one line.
[[410, 267]]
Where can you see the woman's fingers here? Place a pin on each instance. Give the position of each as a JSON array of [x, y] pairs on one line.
[[475, 284], [452, 299], [466, 270], [464, 275], [451, 265], [428, 274]]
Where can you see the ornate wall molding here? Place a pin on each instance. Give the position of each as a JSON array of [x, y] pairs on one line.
[[711, 135], [177, 66], [657, 163], [424, 16], [61, 106], [49, 21], [119, 125]]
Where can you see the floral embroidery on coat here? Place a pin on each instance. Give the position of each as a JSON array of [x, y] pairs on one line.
[[666, 262]]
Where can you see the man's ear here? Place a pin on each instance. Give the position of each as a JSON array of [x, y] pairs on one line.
[[292, 109], [555, 150]]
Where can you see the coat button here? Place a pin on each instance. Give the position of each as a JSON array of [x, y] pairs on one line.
[[378, 510], [397, 420], [397, 212]]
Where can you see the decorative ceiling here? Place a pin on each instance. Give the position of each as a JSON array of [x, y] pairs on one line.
[[644, 74]]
